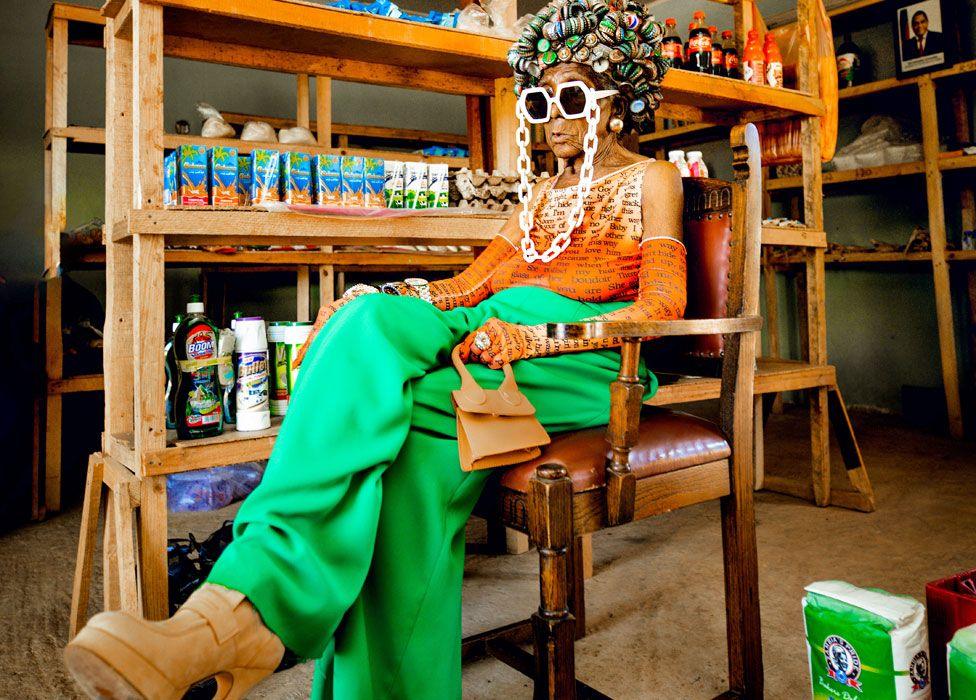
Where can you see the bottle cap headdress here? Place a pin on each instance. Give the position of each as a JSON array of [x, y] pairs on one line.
[[621, 42]]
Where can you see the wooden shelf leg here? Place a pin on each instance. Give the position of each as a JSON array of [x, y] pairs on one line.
[[53, 362], [862, 498], [152, 548], [81, 588], [327, 292], [110, 554], [820, 446], [303, 293], [126, 568]]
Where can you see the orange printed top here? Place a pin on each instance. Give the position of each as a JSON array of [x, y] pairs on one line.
[[603, 260]]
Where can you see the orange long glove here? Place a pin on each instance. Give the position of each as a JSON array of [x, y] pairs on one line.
[[468, 288], [662, 295]]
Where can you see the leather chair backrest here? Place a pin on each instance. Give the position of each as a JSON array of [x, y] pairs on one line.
[[707, 236]]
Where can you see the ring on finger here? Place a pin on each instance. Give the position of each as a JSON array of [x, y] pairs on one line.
[[482, 341]]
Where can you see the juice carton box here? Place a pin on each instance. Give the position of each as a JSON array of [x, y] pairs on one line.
[[222, 164], [353, 181], [169, 179], [296, 178], [393, 183], [244, 180], [327, 170], [437, 186], [373, 178], [265, 171], [415, 186], [191, 163]]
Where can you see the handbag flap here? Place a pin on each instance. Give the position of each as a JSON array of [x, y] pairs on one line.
[[506, 400], [482, 435]]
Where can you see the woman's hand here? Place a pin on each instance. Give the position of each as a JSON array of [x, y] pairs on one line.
[[506, 342]]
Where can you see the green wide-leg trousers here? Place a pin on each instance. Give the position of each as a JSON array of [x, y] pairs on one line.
[[352, 547]]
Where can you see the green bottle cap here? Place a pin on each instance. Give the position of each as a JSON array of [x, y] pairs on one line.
[[238, 314], [195, 298]]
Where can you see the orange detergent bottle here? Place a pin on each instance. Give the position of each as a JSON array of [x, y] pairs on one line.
[[753, 60], [774, 62]]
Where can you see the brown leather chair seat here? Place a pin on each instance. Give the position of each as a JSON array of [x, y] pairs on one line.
[[668, 441]]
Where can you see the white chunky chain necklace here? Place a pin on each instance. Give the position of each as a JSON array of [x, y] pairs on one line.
[[524, 166]]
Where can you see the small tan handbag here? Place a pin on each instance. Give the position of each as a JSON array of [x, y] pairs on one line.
[[495, 427]]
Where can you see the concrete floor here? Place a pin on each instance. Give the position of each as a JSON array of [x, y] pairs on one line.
[[655, 605]]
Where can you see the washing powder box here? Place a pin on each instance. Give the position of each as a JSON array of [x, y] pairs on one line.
[[244, 180], [191, 164], [296, 178], [265, 173], [414, 185], [327, 170], [393, 183], [353, 181], [437, 186], [222, 166], [170, 180], [373, 182]]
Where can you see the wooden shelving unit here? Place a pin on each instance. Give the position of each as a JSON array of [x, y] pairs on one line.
[[137, 452], [953, 82], [84, 26]]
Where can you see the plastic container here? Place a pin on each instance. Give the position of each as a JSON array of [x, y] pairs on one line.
[[961, 653], [696, 166], [699, 45], [951, 604], [210, 489], [171, 370], [671, 46], [753, 60], [251, 361], [774, 62], [731, 55], [285, 338], [678, 158], [718, 54], [197, 404]]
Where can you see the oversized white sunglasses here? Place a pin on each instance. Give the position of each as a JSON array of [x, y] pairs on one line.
[[574, 100]]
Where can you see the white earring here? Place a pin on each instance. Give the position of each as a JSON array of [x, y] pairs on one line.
[[616, 125]]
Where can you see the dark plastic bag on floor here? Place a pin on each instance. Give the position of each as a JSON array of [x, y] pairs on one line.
[[214, 488]]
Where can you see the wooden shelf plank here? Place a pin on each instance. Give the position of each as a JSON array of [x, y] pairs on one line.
[[727, 95], [77, 384], [382, 259], [958, 70], [859, 258], [255, 227], [808, 238], [876, 173]]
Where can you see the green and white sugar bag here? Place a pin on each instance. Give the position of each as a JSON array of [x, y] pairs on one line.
[[865, 644]]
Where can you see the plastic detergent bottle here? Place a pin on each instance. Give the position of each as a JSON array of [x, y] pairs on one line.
[[678, 158], [774, 62], [170, 366], [699, 45], [731, 55], [753, 61], [197, 405], [251, 361], [229, 397], [696, 166], [671, 46]]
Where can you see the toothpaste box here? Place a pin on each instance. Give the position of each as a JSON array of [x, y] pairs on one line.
[[373, 179], [244, 180], [393, 184], [353, 181], [222, 166], [169, 180], [415, 186], [327, 170], [264, 175], [296, 178], [191, 163], [437, 186]]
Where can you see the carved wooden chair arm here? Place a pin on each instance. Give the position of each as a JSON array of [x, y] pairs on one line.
[[648, 329]]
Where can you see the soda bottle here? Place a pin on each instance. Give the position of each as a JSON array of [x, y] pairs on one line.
[[774, 62], [197, 404], [753, 61], [718, 57], [731, 68], [170, 366], [671, 44], [699, 45], [687, 48], [848, 62]]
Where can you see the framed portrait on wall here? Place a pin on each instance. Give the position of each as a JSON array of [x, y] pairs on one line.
[[922, 36]]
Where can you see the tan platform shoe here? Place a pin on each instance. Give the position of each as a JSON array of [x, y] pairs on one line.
[[216, 633]]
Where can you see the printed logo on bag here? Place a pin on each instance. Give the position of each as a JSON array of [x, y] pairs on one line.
[[843, 663], [918, 671]]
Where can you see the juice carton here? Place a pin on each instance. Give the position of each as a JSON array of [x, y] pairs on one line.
[[415, 186], [296, 178], [191, 162], [222, 164], [264, 175], [244, 180], [169, 179], [353, 183], [437, 186], [328, 180], [373, 177], [393, 183]]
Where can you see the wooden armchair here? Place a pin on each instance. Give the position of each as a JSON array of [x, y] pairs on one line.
[[658, 460]]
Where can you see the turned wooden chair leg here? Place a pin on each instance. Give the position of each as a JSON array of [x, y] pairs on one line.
[[576, 578], [81, 589], [742, 595], [550, 524]]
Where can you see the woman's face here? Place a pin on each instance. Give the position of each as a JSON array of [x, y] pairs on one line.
[[565, 136]]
